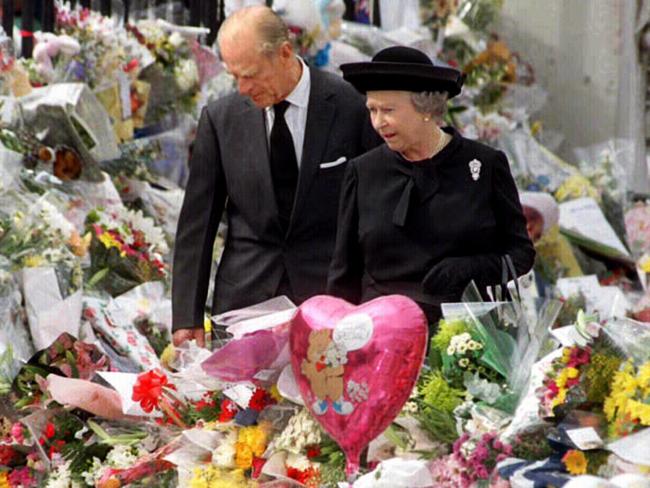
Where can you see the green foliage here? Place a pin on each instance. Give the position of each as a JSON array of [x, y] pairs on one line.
[[440, 425], [332, 461], [446, 330], [598, 376], [81, 456], [438, 394]]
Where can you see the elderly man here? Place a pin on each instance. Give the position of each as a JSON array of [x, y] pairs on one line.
[[273, 156]]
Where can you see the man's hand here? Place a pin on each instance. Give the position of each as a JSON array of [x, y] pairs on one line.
[[182, 335]]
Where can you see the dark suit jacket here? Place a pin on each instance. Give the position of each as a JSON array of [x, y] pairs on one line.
[[426, 230], [230, 168]]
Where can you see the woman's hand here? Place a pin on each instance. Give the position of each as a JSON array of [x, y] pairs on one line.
[[449, 275]]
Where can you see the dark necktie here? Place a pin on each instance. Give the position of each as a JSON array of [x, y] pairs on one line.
[[284, 167]]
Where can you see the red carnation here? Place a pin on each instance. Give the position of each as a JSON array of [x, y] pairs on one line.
[[7, 455], [260, 400], [228, 410], [49, 430], [313, 451], [148, 389]]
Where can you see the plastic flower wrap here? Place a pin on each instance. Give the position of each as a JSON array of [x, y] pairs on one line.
[[126, 250], [15, 342], [489, 348]]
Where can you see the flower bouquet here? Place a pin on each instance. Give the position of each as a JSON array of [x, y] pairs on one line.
[[174, 76], [125, 251], [67, 357]]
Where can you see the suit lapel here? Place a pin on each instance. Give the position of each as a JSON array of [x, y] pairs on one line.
[[320, 115]]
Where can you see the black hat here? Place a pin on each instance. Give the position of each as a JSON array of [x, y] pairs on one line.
[[404, 69]]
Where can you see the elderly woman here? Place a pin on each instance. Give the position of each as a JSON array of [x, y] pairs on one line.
[[428, 211]]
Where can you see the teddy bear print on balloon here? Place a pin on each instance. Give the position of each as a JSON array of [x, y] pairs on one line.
[[324, 367]]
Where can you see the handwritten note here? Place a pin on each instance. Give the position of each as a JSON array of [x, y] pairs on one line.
[[584, 216], [353, 331]]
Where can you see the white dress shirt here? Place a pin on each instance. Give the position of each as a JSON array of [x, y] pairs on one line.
[[296, 114]]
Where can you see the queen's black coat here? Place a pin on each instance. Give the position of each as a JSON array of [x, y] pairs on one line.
[[427, 229]]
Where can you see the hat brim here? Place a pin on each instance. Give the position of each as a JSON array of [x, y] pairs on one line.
[[374, 76]]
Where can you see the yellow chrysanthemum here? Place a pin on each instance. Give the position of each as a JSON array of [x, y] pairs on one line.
[[575, 462], [251, 442], [168, 355], [643, 378], [213, 477], [4, 480], [566, 355], [33, 261], [560, 381], [609, 408], [638, 411], [109, 241], [572, 373], [559, 398], [575, 186], [275, 393], [644, 264], [243, 455]]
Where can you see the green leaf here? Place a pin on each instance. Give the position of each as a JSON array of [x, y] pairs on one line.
[[396, 437], [97, 277], [72, 362]]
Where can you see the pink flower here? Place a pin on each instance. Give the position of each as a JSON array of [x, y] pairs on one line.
[[17, 432], [21, 477], [480, 453], [482, 472]]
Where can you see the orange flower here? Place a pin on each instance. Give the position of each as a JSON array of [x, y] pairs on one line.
[[575, 462]]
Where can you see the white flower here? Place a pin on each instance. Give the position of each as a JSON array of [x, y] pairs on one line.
[[298, 461], [60, 478], [187, 75], [463, 363], [176, 40], [54, 219], [301, 431], [462, 349], [123, 456], [451, 350], [224, 455], [94, 473]]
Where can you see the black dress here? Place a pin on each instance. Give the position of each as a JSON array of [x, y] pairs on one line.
[[426, 229]]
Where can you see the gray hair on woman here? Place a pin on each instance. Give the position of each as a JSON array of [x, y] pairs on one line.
[[433, 104]]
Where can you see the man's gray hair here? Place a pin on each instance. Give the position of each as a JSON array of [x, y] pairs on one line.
[[433, 104], [269, 26]]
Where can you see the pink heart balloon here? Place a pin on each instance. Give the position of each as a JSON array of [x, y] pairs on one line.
[[356, 365]]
